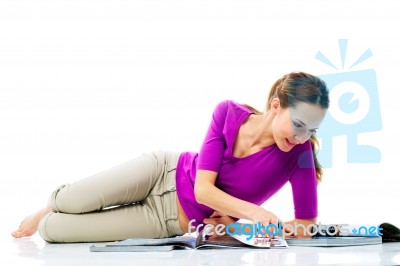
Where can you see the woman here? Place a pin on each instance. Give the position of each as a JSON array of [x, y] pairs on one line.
[[246, 157]]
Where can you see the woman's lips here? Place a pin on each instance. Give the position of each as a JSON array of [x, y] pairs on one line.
[[291, 144]]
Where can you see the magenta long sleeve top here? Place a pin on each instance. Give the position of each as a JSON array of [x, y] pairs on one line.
[[254, 178]]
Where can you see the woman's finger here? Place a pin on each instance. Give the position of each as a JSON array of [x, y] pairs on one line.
[[275, 220], [288, 229], [209, 221], [217, 214], [214, 214]]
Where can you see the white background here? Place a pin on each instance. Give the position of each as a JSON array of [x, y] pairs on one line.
[[87, 85]]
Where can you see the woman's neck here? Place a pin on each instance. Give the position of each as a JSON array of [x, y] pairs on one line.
[[260, 130]]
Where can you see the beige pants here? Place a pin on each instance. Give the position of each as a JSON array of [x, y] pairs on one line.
[[136, 199]]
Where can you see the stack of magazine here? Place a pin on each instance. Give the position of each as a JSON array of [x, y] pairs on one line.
[[342, 235], [334, 241], [339, 235]]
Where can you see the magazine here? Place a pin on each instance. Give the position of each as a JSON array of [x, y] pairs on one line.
[[347, 230], [326, 236], [334, 241], [200, 241], [339, 235]]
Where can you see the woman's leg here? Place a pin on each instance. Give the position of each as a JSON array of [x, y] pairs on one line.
[[135, 220], [126, 183], [151, 218], [156, 216]]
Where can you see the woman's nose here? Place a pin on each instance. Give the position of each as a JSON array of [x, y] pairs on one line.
[[301, 139]]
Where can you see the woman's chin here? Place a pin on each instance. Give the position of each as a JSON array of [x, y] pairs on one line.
[[284, 145]]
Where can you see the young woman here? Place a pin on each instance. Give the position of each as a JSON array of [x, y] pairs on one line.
[[246, 157]]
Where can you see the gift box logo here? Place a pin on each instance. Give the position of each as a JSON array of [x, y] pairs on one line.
[[354, 109]]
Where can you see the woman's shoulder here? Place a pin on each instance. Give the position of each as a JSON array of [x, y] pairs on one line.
[[302, 155], [301, 148], [231, 105]]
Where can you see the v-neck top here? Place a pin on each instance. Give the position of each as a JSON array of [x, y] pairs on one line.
[[254, 178]]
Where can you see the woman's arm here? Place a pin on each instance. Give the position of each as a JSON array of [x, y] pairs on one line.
[[217, 218], [299, 226], [208, 194]]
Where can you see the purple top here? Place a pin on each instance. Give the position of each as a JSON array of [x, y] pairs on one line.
[[254, 178]]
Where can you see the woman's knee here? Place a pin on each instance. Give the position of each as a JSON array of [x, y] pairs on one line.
[[63, 200], [44, 229]]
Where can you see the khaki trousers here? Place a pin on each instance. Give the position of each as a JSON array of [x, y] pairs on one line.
[[136, 199]]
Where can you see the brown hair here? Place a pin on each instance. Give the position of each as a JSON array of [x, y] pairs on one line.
[[300, 87]]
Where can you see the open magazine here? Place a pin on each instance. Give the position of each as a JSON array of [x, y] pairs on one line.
[[200, 241], [339, 235], [332, 235], [334, 241]]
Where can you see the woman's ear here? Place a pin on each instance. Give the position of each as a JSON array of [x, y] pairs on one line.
[[275, 104]]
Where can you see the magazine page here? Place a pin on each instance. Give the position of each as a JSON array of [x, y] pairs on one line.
[[97, 248], [239, 241], [217, 241], [185, 240], [263, 242], [147, 244]]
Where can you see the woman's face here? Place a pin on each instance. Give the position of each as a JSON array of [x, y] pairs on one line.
[[294, 125]]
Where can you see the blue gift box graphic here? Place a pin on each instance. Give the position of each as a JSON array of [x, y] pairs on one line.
[[354, 108]]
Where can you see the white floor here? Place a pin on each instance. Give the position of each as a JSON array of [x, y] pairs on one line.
[[35, 251]]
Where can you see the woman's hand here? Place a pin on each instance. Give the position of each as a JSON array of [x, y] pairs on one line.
[[218, 218], [265, 218]]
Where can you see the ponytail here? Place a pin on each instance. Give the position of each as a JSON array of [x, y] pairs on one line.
[[317, 165]]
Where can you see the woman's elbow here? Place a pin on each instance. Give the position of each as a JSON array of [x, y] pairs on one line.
[[204, 185], [306, 222], [200, 191]]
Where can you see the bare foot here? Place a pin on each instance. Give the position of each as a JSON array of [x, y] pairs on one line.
[[30, 224]]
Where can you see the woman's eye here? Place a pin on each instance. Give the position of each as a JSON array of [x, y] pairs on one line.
[[313, 131], [298, 125]]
